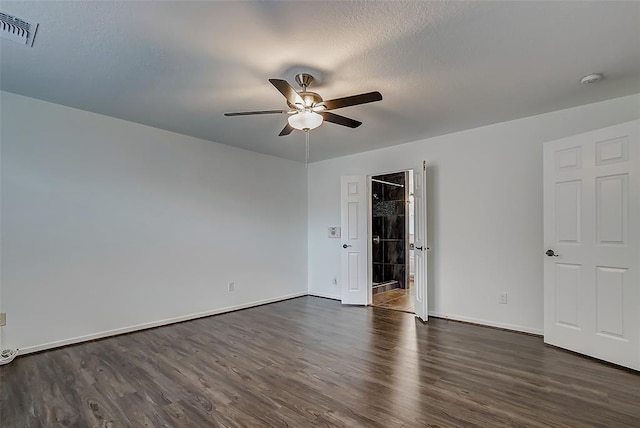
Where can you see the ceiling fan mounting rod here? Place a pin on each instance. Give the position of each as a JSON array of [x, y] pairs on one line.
[[304, 80]]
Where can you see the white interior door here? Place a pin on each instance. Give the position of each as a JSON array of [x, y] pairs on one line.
[[591, 235], [354, 204], [420, 243]]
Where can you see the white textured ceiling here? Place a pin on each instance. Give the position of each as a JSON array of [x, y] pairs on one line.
[[440, 66]]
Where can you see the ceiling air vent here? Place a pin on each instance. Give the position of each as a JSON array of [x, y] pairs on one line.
[[16, 29]]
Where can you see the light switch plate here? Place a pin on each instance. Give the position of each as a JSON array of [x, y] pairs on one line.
[[3, 319], [334, 232]]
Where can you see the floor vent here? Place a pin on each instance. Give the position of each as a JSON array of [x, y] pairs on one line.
[[16, 29]]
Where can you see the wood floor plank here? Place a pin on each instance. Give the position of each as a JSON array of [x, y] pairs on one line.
[[312, 362]]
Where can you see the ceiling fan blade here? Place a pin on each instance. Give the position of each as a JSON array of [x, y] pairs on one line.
[[287, 90], [248, 113], [340, 120], [353, 100], [288, 129]]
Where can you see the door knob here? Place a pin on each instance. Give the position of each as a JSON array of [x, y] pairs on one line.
[[419, 248], [345, 246], [550, 253]]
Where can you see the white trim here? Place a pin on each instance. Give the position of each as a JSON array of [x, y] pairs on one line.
[[168, 321], [505, 326], [325, 295], [152, 324]]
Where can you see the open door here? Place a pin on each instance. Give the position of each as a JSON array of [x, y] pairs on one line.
[[420, 243], [354, 204]]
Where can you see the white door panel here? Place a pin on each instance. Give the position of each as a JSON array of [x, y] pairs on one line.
[[353, 190], [592, 224], [420, 244]]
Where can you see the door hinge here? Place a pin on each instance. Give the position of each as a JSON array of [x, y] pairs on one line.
[[424, 165]]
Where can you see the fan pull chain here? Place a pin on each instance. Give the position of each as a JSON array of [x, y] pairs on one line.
[[306, 138]]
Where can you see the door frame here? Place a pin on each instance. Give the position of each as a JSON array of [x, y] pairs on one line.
[[409, 170]]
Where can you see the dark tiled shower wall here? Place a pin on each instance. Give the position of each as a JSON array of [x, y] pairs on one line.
[[389, 211]]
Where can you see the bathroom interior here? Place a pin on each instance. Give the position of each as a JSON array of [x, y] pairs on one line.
[[392, 240]]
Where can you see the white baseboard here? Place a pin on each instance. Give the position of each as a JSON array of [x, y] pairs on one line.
[[505, 326], [152, 324], [326, 296], [144, 326]]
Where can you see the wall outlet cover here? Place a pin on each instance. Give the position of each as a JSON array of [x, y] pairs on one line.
[[231, 286]]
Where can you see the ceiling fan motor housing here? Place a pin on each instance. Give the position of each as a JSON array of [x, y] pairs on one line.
[[311, 99]]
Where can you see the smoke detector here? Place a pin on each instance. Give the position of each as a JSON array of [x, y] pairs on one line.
[[17, 30], [592, 78]]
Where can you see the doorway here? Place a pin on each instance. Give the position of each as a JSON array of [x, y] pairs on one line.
[[356, 257], [392, 241]]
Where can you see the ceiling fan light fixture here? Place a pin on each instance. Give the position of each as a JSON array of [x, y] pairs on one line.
[[305, 120]]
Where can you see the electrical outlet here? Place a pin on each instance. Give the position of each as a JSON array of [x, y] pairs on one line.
[[3, 319], [334, 280], [503, 299], [231, 286]]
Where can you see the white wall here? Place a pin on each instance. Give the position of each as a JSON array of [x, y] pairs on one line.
[[108, 225], [485, 212]]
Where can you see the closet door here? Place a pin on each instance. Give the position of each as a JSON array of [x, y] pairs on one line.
[[592, 235]]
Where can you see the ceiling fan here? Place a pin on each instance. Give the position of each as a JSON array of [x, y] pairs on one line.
[[307, 110]]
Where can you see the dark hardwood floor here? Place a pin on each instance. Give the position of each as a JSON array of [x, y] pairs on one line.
[[311, 362]]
